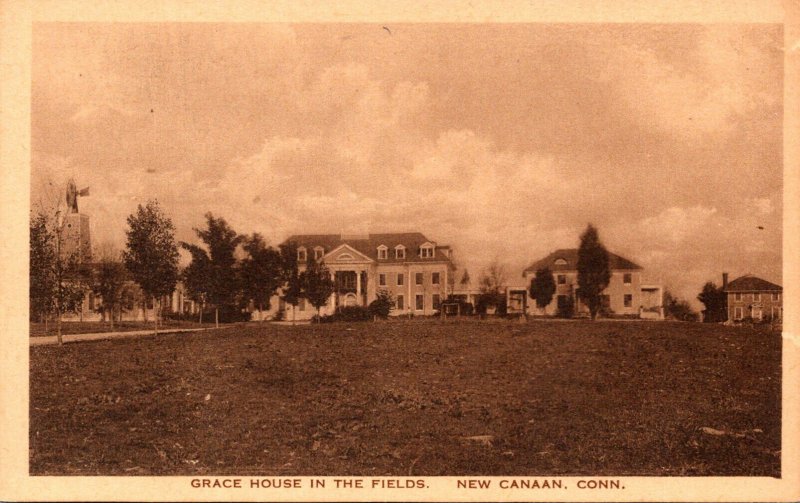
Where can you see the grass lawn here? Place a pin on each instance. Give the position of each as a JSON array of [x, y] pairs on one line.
[[402, 398], [91, 327]]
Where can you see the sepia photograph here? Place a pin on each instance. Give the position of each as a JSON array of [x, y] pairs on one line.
[[296, 256]]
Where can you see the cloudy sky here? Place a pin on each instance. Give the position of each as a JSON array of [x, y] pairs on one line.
[[503, 140]]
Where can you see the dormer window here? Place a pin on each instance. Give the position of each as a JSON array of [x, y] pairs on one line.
[[560, 261], [426, 251], [318, 252], [383, 252], [301, 254], [399, 251]]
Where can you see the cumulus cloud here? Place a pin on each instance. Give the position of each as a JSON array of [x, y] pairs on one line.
[[504, 141]]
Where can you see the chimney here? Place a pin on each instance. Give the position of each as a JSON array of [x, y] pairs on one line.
[[724, 281]]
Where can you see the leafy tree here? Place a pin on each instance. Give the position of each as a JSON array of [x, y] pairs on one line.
[[715, 302], [492, 287], [594, 273], [216, 274], [109, 282], [261, 272], [42, 268], [195, 277], [543, 286], [152, 256], [678, 309], [382, 305], [57, 282], [316, 283], [292, 289]]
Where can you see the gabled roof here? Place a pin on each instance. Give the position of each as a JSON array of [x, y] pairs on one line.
[[752, 284], [570, 255], [368, 244]]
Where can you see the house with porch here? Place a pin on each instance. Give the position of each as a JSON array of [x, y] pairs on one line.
[[752, 298], [627, 293], [415, 270]]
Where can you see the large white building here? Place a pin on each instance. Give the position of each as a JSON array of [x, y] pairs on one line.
[[415, 270]]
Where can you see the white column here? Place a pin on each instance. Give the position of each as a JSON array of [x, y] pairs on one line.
[[358, 286]]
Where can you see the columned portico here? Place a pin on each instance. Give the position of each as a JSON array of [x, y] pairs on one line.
[[350, 272]]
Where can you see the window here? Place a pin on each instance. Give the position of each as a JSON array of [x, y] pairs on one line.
[[757, 296], [737, 313], [435, 278], [419, 278], [383, 253], [420, 300], [562, 279], [757, 314], [628, 299], [737, 296], [318, 252], [400, 279], [426, 252], [560, 261], [399, 302], [626, 278], [381, 279], [776, 297], [301, 254], [776, 313], [436, 301], [400, 252]]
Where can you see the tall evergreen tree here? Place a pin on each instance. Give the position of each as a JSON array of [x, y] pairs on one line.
[[316, 283], [261, 272], [152, 255], [594, 273], [543, 286], [215, 273], [713, 298]]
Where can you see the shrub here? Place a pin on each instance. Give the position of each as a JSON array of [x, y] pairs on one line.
[[347, 313], [567, 309], [279, 315], [382, 305]]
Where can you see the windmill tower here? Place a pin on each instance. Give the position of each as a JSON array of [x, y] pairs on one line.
[[76, 240]]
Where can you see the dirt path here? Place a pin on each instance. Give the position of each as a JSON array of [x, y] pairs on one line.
[[52, 339]]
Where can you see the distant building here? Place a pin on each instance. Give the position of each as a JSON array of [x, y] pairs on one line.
[[415, 270], [626, 293], [750, 297]]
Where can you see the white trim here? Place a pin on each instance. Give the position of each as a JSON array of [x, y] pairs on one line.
[[357, 255], [398, 249], [738, 313], [383, 252]]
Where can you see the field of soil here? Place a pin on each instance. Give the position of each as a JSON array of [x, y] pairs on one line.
[[413, 398]]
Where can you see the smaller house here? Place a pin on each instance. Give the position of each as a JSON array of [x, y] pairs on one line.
[[627, 293], [750, 297]]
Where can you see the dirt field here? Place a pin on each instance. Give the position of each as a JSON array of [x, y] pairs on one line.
[[403, 398]]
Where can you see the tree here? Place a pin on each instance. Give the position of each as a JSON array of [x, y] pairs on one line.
[[152, 255], [195, 277], [593, 270], [216, 274], [292, 289], [109, 282], [316, 283], [465, 279], [543, 286], [382, 305], [677, 309], [492, 287], [42, 268], [261, 272], [56, 281], [715, 302]]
